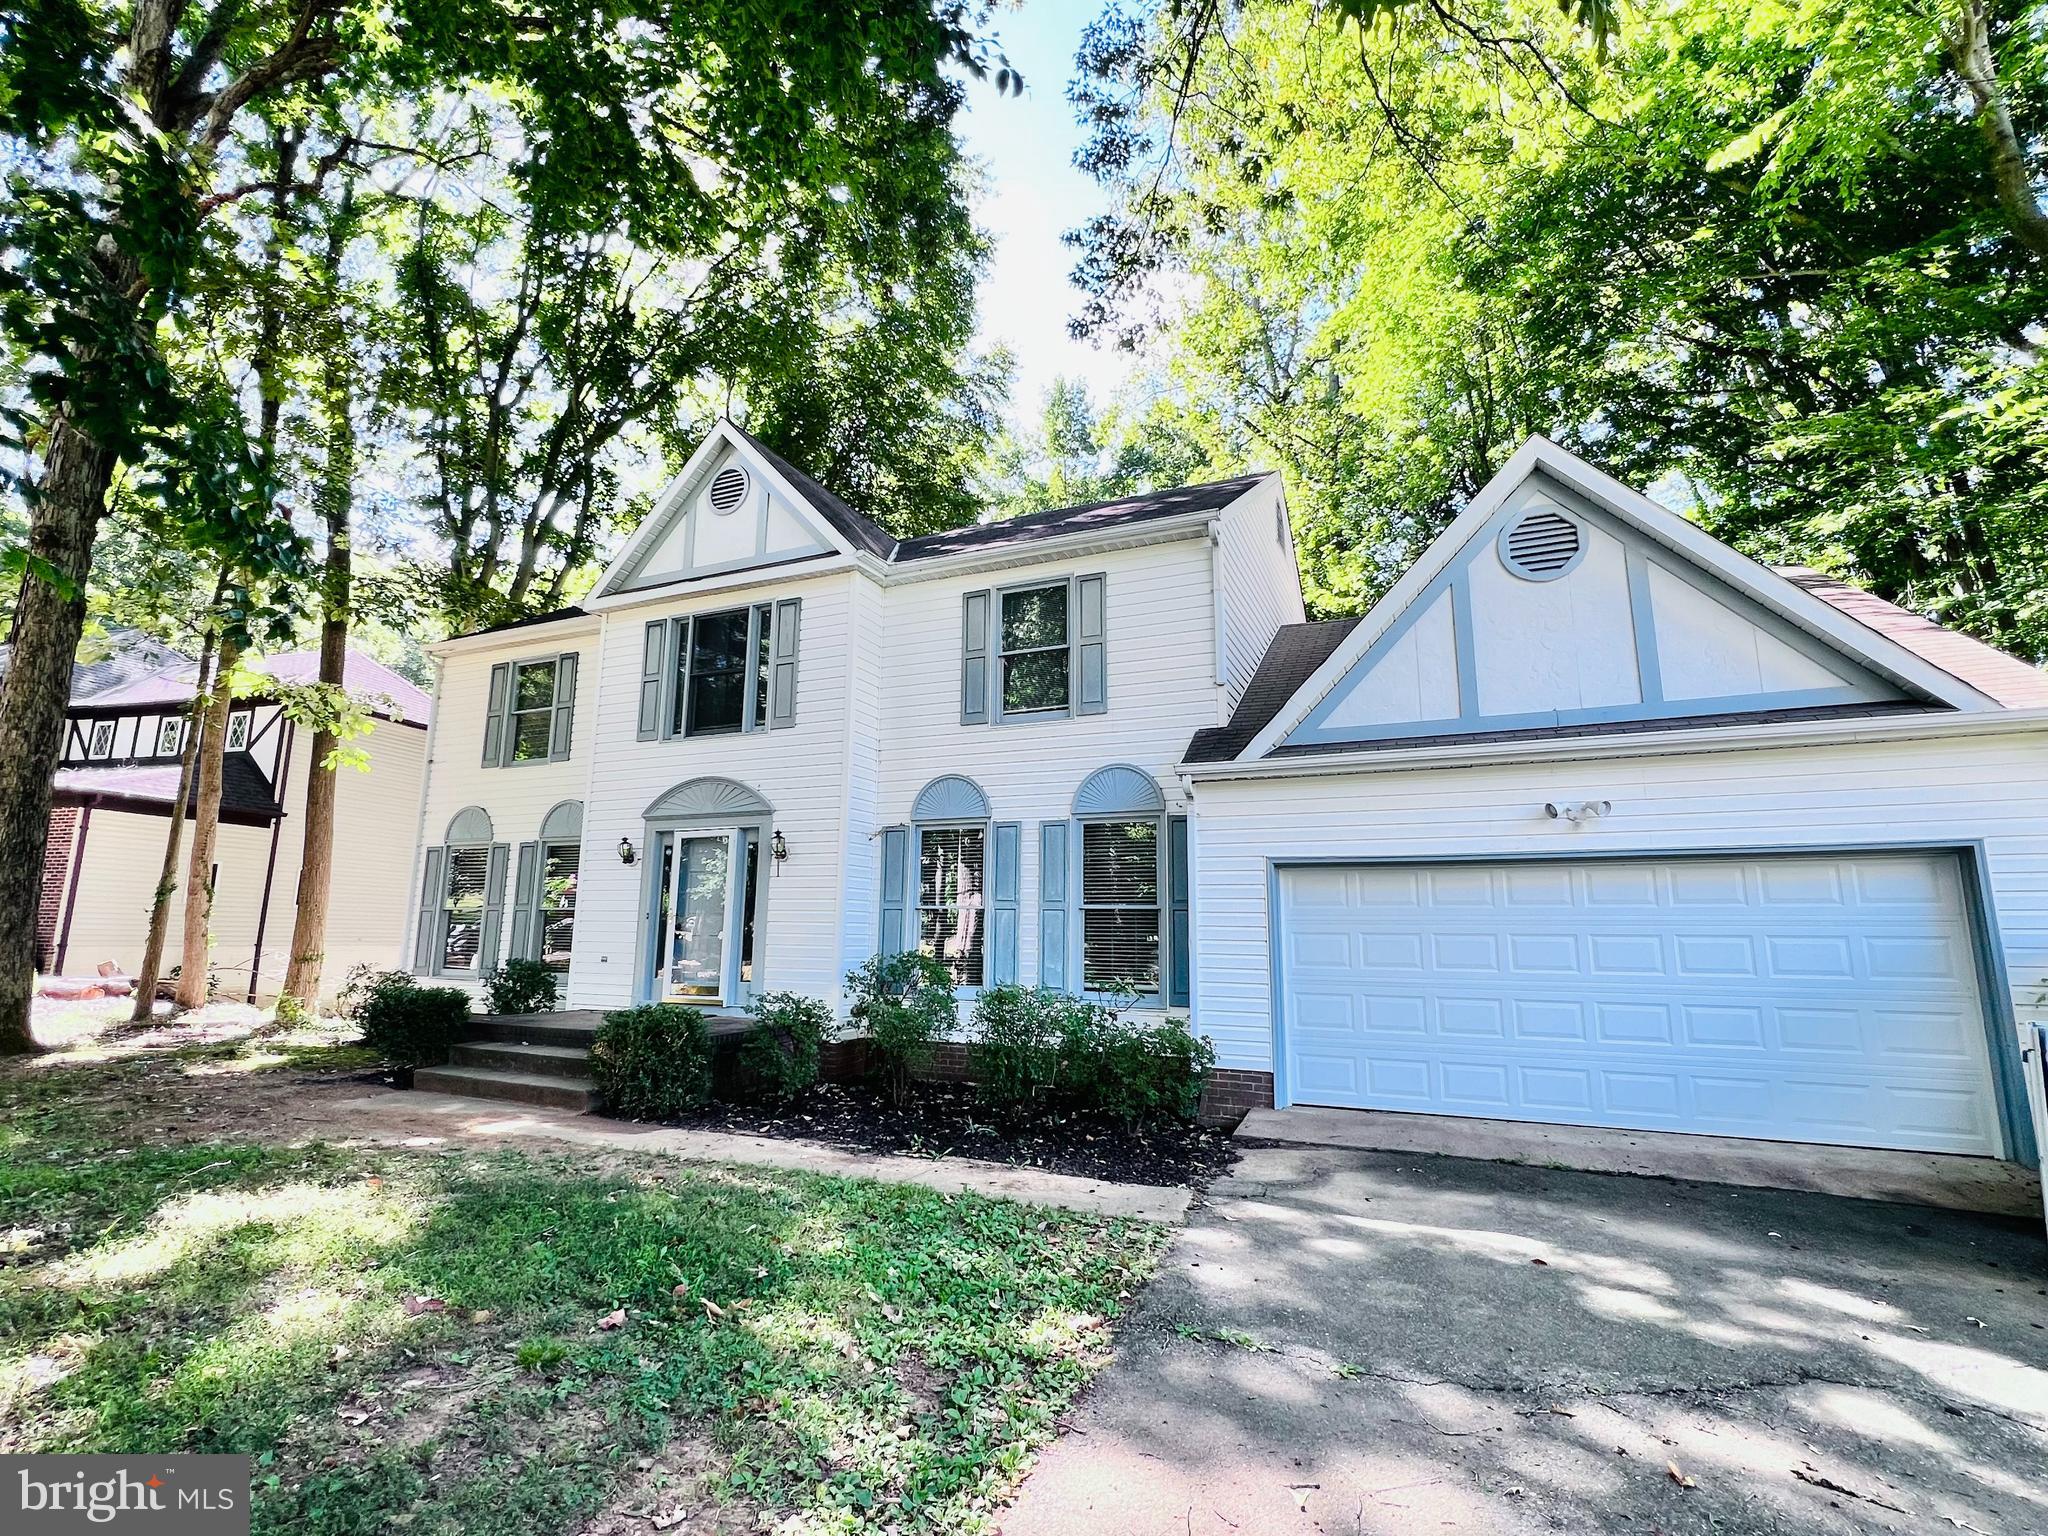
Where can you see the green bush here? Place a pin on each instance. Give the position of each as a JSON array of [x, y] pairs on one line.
[[652, 1062], [778, 1058], [1017, 1046], [409, 1025], [1046, 1047], [522, 986], [904, 1004]]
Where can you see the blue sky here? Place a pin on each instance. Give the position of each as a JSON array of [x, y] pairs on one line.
[[1025, 146]]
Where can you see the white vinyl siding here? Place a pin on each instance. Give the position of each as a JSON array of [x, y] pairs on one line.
[[1858, 796], [1260, 590]]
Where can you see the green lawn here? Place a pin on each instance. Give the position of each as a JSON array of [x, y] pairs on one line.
[[435, 1340]]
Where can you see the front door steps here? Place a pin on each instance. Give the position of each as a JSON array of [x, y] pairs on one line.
[[535, 1058]]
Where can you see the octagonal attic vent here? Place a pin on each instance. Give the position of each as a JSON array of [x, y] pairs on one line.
[[728, 488], [1542, 545]]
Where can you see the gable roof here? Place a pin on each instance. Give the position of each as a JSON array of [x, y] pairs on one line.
[[1880, 652], [861, 534], [2013, 683]]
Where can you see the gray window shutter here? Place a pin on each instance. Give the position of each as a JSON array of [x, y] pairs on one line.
[[1091, 647], [1005, 853], [423, 956], [977, 609], [1177, 955], [494, 909], [1053, 969], [499, 722], [525, 902], [895, 884], [782, 665], [652, 647], [564, 728]]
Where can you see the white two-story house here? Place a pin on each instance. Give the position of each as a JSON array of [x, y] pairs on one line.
[[1591, 820]]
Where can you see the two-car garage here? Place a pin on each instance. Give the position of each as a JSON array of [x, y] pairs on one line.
[[1829, 997]]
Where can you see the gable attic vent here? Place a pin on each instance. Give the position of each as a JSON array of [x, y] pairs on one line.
[[728, 488], [1542, 546]]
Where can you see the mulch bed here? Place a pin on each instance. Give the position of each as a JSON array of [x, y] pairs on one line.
[[943, 1120]]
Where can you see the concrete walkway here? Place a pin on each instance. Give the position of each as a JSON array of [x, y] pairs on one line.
[[427, 1119], [1915, 1178], [1372, 1343]]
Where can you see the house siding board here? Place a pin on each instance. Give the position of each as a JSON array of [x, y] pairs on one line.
[[1961, 792], [517, 798], [1160, 678], [1261, 591], [802, 772]]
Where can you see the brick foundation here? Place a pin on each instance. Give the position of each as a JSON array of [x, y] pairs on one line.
[[1228, 1097], [56, 875]]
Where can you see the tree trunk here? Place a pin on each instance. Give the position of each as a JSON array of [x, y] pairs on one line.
[[1969, 50], [205, 824], [174, 843], [316, 865], [64, 518]]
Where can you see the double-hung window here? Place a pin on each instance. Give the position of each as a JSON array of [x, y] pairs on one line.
[[533, 710], [1036, 665], [1121, 905], [952, 913], [723, 670]]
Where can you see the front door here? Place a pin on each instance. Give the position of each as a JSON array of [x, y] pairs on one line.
[[699, 907]]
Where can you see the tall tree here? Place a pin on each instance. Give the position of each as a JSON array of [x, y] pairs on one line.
[[126, 129]]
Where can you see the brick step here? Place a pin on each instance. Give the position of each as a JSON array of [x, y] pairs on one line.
[[517, 1087], [537, 1060]]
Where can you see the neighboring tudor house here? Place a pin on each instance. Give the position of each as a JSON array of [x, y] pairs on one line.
[[1591, 820], [115, 784]]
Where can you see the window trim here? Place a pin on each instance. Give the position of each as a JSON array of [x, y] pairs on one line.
[[178, 725], [92, 752], [1161, 905], [246, 720], [756, 670], [998, 714], [914, 918]]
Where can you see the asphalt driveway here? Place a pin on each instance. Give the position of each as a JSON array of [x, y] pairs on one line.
[[1369, 1342]]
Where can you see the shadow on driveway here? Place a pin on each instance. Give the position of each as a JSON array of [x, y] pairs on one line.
[[1370, 1342]]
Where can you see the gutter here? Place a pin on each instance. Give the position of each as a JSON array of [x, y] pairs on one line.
[[1703, 740], [526, 636], [1160, 530]]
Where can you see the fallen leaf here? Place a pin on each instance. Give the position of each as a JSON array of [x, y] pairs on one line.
[[415, 1305], [354, 1417], [1678, 1477], [339, 1354], [680, 1289], [1301, 1491], [711, 1308], [613, 1320], [668, 1520], [479, 1317], [1544, 1262]]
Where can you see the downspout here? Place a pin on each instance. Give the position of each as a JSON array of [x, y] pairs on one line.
[[415, 897], [284, 776], [71, 895]]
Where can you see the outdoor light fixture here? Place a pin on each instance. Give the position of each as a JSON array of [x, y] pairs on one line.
[[625, 850], [777, 848], [1583, 810]]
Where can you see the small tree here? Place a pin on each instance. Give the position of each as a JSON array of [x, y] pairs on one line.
[[905, 1003]]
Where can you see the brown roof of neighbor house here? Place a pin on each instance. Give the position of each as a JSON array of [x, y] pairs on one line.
[[365, 677], [245, 794], [2002, 678]]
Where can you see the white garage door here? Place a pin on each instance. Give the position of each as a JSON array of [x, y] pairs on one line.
[[1829, 999]]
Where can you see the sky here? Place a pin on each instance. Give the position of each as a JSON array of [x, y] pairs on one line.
[[1032, 194]]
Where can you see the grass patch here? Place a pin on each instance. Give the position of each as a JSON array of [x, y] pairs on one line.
[[496, 1344]]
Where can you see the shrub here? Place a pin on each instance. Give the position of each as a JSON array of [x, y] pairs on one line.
[[778, 1058], [522, 986], [1017, 1046], [290, 1013], [1125, 1071], [904, 1002], [409, 1025], [652, 1062]]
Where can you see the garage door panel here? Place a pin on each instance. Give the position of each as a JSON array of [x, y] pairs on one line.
[[1803, 998]]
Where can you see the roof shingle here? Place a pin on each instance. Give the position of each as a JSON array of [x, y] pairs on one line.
[[2004, 679]]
